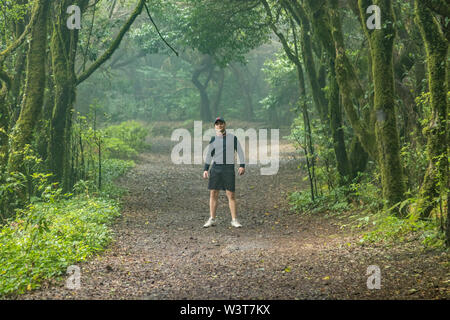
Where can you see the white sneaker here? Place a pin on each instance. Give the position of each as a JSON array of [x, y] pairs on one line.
[[235, 223], [211, 222]]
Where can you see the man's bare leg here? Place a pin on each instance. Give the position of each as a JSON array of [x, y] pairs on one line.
[[213, 197], [232, 203]]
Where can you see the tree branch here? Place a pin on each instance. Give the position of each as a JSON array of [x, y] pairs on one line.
[[13, 46], [293, 57], [108, 53]]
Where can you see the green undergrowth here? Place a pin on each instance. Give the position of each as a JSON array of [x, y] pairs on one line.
[[388, 229], [359, 208], [46, 238], [125, 140], [55, 231], [111, 170]]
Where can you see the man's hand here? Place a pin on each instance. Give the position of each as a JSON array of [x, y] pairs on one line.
[[205, 174], [241, 171]]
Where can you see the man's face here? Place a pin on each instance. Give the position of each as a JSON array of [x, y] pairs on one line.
[[220, 126]]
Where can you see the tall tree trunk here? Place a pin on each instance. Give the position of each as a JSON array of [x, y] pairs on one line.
[[337, 130], [293, 56], [205, 112], [381, 49], [43, 126], [22, 133], [206, 65], [63, 48], [309, 150], [351, 91], [34, 89], [329, 112], [19, 68], [216, 104], [4, 120], [59, 47], [321, 26], [317, 93], [10, 93], [436, 45], [447, 229]]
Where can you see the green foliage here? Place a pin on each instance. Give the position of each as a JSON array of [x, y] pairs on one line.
[[112, 169], [124, 140], [365, 192], [85, 187], [148, 82], [47, 237], [415, 163], [388, 228], [362, 194], [326, 172], [226, 30], [94, 146], [364, 207], [117, 148], [12, 13], [331, 203], [423, 102], [281, 76], [11, 184], [324, 175], [56, 230], [15, 187]]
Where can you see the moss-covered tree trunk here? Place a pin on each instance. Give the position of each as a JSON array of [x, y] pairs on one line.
[[321, 27], [300, 17], [351, 92], [436, 46], [63, 49], [63, 89], [447, 230], [19, 68], [336, 124], [322, 18], [309, 150], [329, 112], [293, 56], [4, 120], [381, 49], [310, 66], [43, 126], [22, 132], [10, 87]]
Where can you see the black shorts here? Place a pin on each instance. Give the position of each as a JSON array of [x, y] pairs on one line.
[[222, 177]]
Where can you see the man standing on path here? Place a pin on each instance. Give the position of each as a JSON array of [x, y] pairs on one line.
[[222, 177]]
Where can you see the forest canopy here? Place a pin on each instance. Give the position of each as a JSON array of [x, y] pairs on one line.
[[360, 86]]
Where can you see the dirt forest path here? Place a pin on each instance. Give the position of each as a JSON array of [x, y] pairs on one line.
[[161, 251]]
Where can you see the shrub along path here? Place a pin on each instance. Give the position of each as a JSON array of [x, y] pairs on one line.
[[161, 250]]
